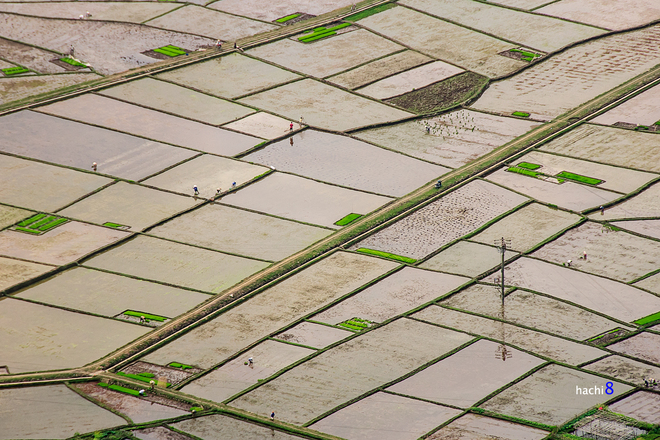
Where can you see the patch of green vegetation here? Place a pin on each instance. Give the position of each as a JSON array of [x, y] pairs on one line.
[[31, 231], [524, 171], [146, 316], [369, 12], [140, 377], [350, 218], [322, 32], [178, 365], [526, 56], [34, 218], [611, 227], [579, 178], [53, 224], [196, 408], [287, 18], [8, 71], [151, 375], [120, 389], [40, 223], [442, 95], [642, 127], [521, 114], [529, 166], [113, 225], [387, 255], [73, 62], [656, 123], [170, 51], [552, 206], [356, 324], [651, 319]]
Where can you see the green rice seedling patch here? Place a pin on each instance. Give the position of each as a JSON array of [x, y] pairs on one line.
[[120, 389], [387, 255], [146, 316], [350, 218], [14, 70], [649, 320], [140, 377], [170, 50], [30, 231], [321, 32], [356, 324], [145, 374], [179, 365], [53, 224], [529, 166], [579, 178], [32, 219], [524, 172], [39, 223], [287, 18], [521, 114], [115, 225], [656, 123], [368, 12], [642, 128], [73, 62]]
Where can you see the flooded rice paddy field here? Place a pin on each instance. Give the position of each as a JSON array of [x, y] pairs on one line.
[[272, 310], [466, 258], [282, 140], [439, 223], [241, 232], [345, 161], [454, 138], [380, 68], [178, 100], [319, 59]]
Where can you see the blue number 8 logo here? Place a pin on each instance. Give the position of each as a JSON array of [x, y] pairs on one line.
[[609, 388]]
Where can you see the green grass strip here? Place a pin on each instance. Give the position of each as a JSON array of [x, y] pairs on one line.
[[146, 315], [141, 378], [523, 171], [287, 18], [14, 70], [150, 375], [350, 218], [525, 53], [339, 26], [521, 114], [579, 178], [124, 390], [31, 231], [174, 49], [648, 319], [166, 52], [113, 225], [178, 365], [387, 255], [304, 38], [318, 37], [53, 224], [529, 166], [350, 327], [369, 12], [72, 62], [34, 218], [40, 223]]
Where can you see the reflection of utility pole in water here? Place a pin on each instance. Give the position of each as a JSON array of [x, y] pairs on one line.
[[502, 350]]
